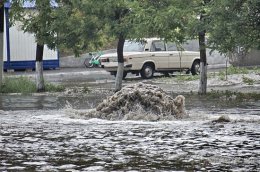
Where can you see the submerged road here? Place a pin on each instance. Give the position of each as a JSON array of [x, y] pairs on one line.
[[67, 75]]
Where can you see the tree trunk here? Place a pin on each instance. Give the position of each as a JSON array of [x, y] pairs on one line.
[[120, 57], [203, 64], [39, 68]]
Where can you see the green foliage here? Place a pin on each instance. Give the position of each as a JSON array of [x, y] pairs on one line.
[[54, 88], [25, 85], [247, 80], [187, 77], [232, 70], [233, 23], [237, 70], [89, 24], [18, 85], [230, 95], [38, 21], [222, 75], [164, 19]]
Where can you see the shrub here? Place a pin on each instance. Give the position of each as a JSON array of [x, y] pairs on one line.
[[17, 85], [25, 85], [247, 80]]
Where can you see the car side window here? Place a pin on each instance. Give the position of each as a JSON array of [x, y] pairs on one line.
[[188, 46], [171, 46], [158, 46]]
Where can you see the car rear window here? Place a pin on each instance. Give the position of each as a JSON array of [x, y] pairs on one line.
[[133, 46]]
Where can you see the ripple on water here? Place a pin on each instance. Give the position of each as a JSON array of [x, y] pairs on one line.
[[52, 141]]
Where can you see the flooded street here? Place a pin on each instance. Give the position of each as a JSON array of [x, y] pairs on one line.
[[45, 133]]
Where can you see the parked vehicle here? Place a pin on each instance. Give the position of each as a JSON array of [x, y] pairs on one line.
[[150, 56], [94, 61]]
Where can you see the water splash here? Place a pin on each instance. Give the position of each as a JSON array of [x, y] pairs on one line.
[[139, 102]]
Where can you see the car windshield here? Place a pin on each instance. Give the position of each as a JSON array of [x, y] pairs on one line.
[[132, 46]]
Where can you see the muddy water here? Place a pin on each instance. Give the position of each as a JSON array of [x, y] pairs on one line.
[[37, 133]]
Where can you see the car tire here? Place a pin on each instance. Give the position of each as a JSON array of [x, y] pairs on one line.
[[147, 71], [195, 68]]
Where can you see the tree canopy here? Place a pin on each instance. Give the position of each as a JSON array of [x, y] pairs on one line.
[[234, 23], [86, 24]]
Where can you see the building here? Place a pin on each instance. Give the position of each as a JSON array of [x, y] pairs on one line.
[[18, 49]]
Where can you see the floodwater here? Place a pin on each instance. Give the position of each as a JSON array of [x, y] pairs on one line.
[[38, 133]]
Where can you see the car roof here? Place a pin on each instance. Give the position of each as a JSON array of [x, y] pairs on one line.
[[147, 39]]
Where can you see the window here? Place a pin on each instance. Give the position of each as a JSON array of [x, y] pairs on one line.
[[132, 46], [158, 46], [191, 45], [171, 46]]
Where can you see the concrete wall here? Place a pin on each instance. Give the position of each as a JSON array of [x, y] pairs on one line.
[[213, 58], [252, 58]]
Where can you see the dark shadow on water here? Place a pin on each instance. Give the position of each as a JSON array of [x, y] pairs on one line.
[[91, 100]]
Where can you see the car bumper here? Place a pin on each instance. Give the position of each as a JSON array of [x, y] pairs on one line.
[[114, 68]]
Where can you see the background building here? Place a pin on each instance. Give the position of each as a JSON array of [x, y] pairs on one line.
[[18, 49]]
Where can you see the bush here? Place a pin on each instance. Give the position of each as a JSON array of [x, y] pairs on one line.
[[17, 85], [25, 85], [54, 88]]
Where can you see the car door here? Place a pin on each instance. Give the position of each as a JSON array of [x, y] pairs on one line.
[[159, 54], [175, 56]]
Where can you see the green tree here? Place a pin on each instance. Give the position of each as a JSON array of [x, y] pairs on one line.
[[37, 22], [89, 21], [234, 23], [227, 25]]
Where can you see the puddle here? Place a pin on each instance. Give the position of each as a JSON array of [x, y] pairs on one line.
[[38, 134]]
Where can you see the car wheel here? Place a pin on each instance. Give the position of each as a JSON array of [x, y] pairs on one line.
[[195, 68], [147, 71]]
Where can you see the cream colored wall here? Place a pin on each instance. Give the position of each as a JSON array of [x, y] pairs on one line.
[[23, 46]]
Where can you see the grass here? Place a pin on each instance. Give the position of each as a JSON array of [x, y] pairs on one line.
[[222, 75], [25, 85], [236, 70], [232, 70], [54, 88], [230, 95], [187, 77], [247, 80]]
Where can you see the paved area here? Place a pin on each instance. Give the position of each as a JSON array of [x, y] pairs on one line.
[[67, 74]]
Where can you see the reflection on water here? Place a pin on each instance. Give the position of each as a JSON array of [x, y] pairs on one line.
[[34, 102], [42, 137]]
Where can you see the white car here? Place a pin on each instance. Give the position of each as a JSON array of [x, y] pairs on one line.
[[152, 55]]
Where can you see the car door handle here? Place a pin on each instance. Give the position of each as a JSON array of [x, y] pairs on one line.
[[153, 55], [170, 54]]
